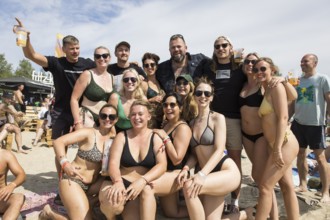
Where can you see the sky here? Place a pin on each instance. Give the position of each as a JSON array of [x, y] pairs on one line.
[[283, 30]]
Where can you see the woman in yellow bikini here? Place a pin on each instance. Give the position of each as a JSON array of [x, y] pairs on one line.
[[282, 144]]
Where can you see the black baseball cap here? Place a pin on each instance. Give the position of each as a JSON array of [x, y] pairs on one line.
[[123, 43]]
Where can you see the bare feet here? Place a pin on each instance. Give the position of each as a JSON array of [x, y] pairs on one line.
[[300, 189], [325, 199], [249, 213], [22, 151], [45, 213]]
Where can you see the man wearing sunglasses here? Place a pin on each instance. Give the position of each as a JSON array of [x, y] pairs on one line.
[[65, 71], [181, 62], [122, 52], [309, 122]]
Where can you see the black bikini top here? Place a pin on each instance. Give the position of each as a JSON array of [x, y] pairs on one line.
[[253, 100]]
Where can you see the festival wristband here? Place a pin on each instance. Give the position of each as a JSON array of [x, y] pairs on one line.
[[64, 164], [63, 160]]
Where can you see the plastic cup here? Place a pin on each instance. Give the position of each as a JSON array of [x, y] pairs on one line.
[[238, 55], [293, 81], [105, 159], [21, 36]]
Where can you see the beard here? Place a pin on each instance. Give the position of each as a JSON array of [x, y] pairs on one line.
[[178, 58]]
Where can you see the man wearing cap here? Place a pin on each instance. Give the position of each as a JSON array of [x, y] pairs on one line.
[[6, 127], [122, 52], [181, 62]]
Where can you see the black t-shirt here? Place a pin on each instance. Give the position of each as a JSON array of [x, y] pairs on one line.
[[228, 84], [65, 75], [115, 70]]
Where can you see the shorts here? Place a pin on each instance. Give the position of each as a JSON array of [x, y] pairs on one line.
[[61, 122], [309, 135], [234, 134]]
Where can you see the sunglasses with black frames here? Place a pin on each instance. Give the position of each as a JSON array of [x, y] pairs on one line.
[[111, 117], [247, 62], [256, 70], [104, 56], [218, 46], [199, 93], [132, 79], [171, 104], [146, 65]]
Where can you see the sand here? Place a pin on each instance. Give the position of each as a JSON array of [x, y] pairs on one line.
[[41, 178]]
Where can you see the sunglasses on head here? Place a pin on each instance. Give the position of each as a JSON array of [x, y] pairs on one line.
[[182, 82], [104, 56], [218, 46], [247, 62], [111, 117], [147, 65], [127, 79], [261, 69], [171, 104], [199, 93]]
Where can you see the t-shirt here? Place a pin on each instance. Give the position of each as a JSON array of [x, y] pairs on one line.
[[228, 84], [117, 73], [310, 106], [65, 75]]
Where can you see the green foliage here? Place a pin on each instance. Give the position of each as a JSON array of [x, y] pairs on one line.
[[6, 69], [24, 69]]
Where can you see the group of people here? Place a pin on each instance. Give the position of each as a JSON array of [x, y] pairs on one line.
[[168, 124]]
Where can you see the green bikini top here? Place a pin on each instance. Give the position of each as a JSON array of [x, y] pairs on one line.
[[94, 92], [123, 121]]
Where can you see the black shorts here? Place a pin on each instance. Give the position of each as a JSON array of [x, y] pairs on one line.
[[61, 122], [308, 135]]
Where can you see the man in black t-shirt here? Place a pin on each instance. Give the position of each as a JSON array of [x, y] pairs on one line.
[[122, 52]]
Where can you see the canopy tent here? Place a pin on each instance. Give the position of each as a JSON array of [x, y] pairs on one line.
[[30, 86]]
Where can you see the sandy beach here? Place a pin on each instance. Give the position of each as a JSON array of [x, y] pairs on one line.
[[41, 184]]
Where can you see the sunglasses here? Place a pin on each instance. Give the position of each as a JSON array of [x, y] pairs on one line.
[[147, 65], [199, 93], [247, 62], [256, 70], [104, 56], [218, 46], [111, 117], [182, 82], [171, 104], [127, 79]]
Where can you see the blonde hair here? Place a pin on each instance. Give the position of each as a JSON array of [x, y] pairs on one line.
[[138, 92], [189, 106]]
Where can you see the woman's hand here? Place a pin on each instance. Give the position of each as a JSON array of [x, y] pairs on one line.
[[196, 185], [116, 193], [278, 159], [182, 177], [72, 172], [134, 190], [157, 98], [161, 133]]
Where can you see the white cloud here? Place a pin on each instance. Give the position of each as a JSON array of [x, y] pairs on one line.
[[283, 30]]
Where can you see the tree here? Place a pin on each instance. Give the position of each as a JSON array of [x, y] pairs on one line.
[[6, 69], [24, 69]]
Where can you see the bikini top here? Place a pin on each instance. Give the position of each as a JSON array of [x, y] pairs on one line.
[[207, 137], [253, 100], [123, 121], [127, 159], [151, 93], [170, 165], [94, 92], [93, 155], [265, 108]]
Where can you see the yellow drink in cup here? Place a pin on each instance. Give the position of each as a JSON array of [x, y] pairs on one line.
[[293, 81], [21, 36]]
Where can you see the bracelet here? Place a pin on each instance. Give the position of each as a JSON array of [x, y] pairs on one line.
[[63, 160], [201, 174], [145, 180], [15, 185], [167, 139], [64, 164]]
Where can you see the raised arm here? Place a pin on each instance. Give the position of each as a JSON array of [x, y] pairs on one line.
[[78, 90], [29, 51]]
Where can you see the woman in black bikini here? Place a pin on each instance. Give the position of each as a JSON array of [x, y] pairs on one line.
[[136, 159], [205, 191], [80, 178], [177, 135]]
